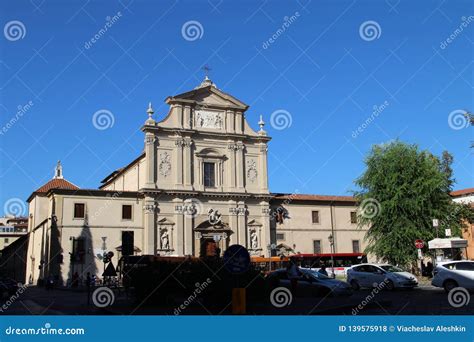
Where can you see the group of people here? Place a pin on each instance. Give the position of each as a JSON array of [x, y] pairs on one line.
[[89, 282]]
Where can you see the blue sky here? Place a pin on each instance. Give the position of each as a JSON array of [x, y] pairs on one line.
[[323, 72]]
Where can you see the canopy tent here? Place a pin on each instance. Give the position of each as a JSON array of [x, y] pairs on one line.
[[447, 243]]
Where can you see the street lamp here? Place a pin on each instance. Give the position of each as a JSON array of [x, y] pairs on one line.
[[331, 242], [271, 247]]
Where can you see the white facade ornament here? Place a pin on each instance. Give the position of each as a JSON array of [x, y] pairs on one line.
[[165, 241], [150, 112], [149, 139], [208, 119], [58, 171], [149, 208], [165, 164], [254, 239], [214, 216], [252, 172], [190, 210], [261, 124]]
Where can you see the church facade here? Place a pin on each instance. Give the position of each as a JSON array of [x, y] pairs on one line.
[[199, 186]]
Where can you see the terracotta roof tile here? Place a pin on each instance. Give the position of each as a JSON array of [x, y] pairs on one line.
[[462, 192], [56, 183], [305, 197]]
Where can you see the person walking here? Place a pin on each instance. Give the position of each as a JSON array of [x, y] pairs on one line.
[[294, 274], [322, 270]]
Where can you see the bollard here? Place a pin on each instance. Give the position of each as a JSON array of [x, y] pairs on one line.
[[238, 301]]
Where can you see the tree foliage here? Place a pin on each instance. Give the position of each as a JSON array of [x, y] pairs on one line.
[[402, 190]]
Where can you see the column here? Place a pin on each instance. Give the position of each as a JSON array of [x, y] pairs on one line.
[[189, 211], [179, 220], [238, 123], [230, 121], [179, 163], [231, 171], [149, 225], [234, 238], [242, 224], [263, 167], [150, 152], [266, 232], [188, 163], [186, 117], [198, 179], [240, 165]]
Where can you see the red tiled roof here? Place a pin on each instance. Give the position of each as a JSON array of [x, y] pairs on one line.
[[56, 183], [462, 192], [303, 197]]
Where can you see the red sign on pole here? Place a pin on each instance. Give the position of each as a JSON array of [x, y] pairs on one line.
[[419, 244]]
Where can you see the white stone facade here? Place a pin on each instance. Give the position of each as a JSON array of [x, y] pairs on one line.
[[199, 186]]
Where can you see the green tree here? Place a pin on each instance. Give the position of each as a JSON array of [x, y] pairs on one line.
[[401, 191]]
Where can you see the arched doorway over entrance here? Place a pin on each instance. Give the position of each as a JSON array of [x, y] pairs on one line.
[[211, 240]]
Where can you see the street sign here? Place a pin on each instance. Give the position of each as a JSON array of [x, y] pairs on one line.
[[447, 232], [435, 223], [110, 271], [420, 254], [419, 244], [236, 259]]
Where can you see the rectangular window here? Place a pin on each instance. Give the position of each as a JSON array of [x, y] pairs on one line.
[[353, 216], [317, 246], [209, 175], [280, 236], [126, 212], [355, 246], [79, 211], [315, 216]]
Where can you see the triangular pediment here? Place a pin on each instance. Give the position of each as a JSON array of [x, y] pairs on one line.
[[209, 96], [165, 221]]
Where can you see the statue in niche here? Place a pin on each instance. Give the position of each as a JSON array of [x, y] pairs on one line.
[[165, 241], [254, 239]]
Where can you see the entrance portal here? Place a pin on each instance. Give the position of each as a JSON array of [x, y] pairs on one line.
[[211, 240]]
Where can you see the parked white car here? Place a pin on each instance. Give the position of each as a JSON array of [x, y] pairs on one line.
[[373, 275], [451, 274]]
